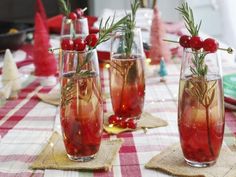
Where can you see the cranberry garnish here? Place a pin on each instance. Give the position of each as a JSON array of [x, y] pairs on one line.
[[79, 44], [91, 40], [123, 124], [210, 45], [79, 12], [72, 16], [113, 119], [185, 41], [67, 44], [195, 42], [131, 124]]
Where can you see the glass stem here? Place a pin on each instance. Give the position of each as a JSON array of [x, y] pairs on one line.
[[208, 131]]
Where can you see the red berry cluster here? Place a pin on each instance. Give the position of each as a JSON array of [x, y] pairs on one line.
[[79, 44], [195, 42], [79, 13], [127, 123]]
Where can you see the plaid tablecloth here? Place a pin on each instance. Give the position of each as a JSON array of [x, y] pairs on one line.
[[26, 125]]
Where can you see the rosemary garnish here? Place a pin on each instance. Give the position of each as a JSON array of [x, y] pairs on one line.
[[129, 27], [193, 28], [64, 7], [200, 68], [105, 32], [187, 14]]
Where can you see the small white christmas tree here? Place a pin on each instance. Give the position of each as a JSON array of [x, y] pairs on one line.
[[10, 74]]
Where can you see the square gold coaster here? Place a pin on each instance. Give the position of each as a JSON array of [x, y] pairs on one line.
[[54, 156], [171, 161]]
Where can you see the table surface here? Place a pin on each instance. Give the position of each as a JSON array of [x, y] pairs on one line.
[[27, 123]]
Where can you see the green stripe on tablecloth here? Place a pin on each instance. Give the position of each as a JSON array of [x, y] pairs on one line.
[[229, 138]]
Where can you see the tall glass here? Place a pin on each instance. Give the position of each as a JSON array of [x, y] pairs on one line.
[[81, 109], [201, 109], [127, 81]]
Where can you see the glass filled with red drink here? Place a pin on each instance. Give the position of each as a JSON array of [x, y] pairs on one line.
[[127, 80], [81, 109], [201, 108]]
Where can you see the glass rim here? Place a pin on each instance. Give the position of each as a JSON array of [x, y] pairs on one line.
[[120, 31], [80, 52], [190, 51], [77, 19]]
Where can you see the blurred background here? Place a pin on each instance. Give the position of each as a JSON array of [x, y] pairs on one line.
[[218, 15]]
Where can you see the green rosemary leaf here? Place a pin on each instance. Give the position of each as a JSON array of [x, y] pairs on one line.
[[193, 70], [107, 21], [113, 19], [194, 61], [106, 31], [68, 6], [199, 26], [205, 70], [128, 28], [187, 14], [64, 7], [100, 26], [87, 58]]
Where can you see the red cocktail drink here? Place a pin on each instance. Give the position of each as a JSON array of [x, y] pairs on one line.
[[127, 87], [201, 122]]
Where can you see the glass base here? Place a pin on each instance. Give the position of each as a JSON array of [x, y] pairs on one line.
[[200, 164], [81, 159]]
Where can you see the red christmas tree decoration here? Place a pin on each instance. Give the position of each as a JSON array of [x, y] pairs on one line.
[[40, 9], [159, 48], [44, 61]]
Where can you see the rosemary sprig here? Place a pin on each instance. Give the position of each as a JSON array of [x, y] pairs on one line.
[[187, 14], [105, 32], [129, 27], [64, 7], [200, 68]]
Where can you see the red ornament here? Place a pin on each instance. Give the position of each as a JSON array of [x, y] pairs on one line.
[[131, 124], [159, 48], [44, 61], [72, 16], [184, 41], [113, 119], [196, 42], [210, 45], [79, 12], [123, 124], [79, 44], [67, 44], [91, 40]]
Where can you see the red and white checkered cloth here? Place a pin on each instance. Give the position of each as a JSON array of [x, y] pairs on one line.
[[26, 124]]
